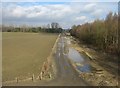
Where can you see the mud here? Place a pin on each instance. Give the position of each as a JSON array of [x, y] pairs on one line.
[[104, 66]]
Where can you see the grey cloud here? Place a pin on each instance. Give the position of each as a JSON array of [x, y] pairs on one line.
[[65, 14]]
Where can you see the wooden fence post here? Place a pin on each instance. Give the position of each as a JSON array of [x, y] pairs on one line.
[[33, 77], [50, 76], [17, 79], [40, 76]]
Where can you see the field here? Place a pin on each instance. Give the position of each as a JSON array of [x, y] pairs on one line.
[[24, 53]]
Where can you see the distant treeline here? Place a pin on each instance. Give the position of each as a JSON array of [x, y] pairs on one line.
[[55, 28], [102, 34]]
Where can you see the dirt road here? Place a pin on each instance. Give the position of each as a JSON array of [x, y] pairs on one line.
[[66, 74]]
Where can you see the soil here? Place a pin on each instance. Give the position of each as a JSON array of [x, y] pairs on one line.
[[105, 66]]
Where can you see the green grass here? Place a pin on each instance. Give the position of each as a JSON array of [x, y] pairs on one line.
[[24, 53]]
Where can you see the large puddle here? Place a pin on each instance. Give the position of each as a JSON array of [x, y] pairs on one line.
[[75, 56], [81, 63]]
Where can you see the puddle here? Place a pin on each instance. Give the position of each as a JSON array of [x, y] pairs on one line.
[[84, 68], [81, 63], [75, 56]]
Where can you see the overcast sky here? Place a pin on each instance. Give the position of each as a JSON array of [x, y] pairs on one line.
[[65, 13]]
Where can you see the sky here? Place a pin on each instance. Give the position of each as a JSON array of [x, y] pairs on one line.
[[65, 13]]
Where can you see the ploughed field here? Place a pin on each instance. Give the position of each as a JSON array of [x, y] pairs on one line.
[[24, 53]]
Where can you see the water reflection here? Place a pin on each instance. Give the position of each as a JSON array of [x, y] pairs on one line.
[[81, 63], [75, 56], [84, 68]]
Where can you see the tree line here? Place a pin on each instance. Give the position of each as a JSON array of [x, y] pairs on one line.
[[53, 28], [102, 34]]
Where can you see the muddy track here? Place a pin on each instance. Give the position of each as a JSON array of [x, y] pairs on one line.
[[66, 74]]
